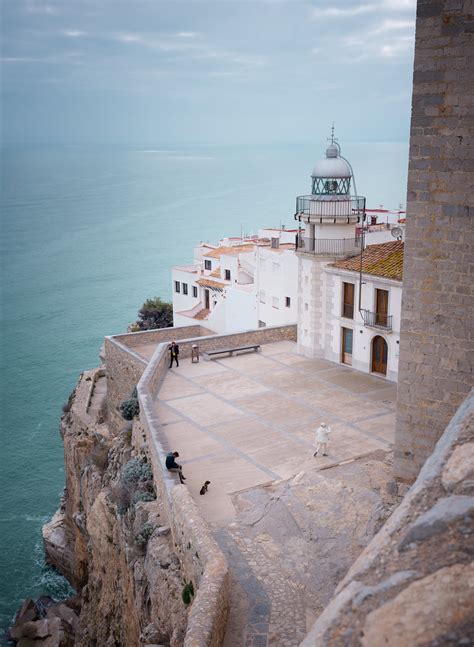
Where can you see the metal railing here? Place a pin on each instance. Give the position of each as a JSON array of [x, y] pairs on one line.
[[335, 208], [377, 320], [328, 246]]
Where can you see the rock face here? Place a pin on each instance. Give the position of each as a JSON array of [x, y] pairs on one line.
[[105, 540], [414, 583]]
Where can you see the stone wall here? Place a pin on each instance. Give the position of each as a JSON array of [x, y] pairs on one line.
[[135, 339], [202, 561], [123, 369], [412, 585], [436, 343]]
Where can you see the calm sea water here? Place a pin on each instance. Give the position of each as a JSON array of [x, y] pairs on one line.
[[88, 235]]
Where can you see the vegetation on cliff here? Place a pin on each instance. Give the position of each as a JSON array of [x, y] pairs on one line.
[[153, 314]]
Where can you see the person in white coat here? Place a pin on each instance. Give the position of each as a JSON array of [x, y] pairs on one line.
[[322, 439]]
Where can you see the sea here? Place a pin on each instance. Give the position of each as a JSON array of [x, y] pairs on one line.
[[88, 233]]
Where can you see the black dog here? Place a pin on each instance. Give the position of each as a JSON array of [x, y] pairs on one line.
[[204, 487]]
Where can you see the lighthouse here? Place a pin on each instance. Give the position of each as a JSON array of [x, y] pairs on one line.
[[327, 218]]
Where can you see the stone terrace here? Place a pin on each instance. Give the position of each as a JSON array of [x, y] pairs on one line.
[[249, 419]]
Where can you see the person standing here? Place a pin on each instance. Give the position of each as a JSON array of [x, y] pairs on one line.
[[174, 352], [322, 439]]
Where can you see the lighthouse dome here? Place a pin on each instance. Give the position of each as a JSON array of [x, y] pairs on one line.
[[332, 166]]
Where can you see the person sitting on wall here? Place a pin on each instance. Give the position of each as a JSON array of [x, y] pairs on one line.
[[173, 466], [174, 352]]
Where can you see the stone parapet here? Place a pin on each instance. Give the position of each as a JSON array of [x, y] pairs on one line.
[[436, 341], [202, 561]]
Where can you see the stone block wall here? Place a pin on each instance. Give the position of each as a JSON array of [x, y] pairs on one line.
[[123, 369], [437, 333]]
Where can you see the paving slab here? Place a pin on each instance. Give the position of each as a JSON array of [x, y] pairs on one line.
[[205, 409], [176, 386], [230, 385]]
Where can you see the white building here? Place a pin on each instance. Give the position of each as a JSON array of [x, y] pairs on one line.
[[240, 284], [346, 301], [349, 301]]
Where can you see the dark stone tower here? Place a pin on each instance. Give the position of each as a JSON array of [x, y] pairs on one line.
[[436, 356]]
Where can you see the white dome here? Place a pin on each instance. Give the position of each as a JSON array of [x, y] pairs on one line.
[[332, 167]]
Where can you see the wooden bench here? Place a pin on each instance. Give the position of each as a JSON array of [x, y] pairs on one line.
[[208, 354]]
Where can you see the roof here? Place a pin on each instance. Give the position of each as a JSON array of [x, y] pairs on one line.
[[186, 268], [385, 260], [235, 249], [214, 285], [216, 273]]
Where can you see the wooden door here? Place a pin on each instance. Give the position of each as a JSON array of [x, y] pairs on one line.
[[381, 307], [346, 355], [206, 299], [379, 355], [348, 300]]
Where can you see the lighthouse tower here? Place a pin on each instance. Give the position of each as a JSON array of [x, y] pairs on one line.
[[328, 219]]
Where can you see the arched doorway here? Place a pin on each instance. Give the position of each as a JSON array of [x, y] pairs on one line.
[[379, 355]]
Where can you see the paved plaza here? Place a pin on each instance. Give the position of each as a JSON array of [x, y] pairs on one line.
[[250, 419]]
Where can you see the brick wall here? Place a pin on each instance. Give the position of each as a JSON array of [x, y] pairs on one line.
[[437, 332]]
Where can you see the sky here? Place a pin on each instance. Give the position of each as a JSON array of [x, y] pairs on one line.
[[205, 72]]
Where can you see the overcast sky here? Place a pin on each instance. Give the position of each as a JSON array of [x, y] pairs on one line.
[[195, 71]]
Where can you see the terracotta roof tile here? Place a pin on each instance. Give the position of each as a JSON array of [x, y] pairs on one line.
[[236, 249], [207, 283], [216, 273], [384, 260]]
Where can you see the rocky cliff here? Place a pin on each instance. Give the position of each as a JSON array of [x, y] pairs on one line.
[[107, 538]]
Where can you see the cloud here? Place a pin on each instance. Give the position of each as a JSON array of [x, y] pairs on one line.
[[397, 47], [360, 9], [73, 33], [186, 34], [46, 9], [393, 25], [342, 12]]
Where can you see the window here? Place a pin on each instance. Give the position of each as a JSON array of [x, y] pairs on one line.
[[261, 296], [275, 243], [276, 267], [287, 302], [185, 288], [275, 302], [381, 307], [195, 291], [177, 286], [347, 346], [348, 300], [207, 265], [261, 324], [227, 275]]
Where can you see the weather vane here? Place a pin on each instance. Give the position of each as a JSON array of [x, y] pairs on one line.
[[333, 139]]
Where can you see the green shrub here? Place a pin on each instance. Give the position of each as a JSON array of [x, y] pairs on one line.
[[155, 313], [137, 470], [130, 408], [144, 535], [143, 495], [188, 592]]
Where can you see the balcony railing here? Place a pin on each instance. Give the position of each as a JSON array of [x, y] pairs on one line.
[[330, 208], [377, 320], [328, 246]]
